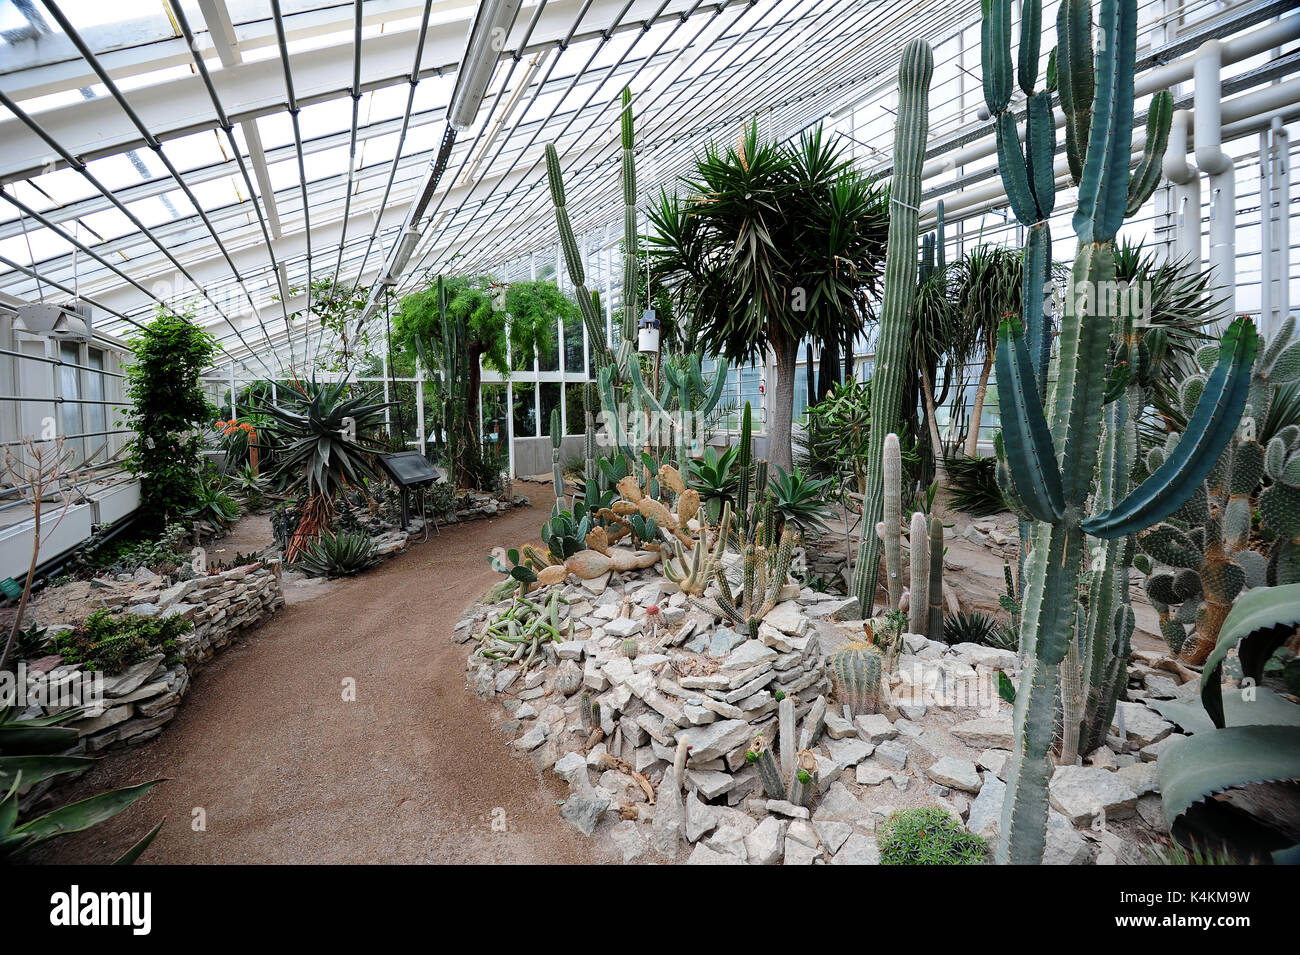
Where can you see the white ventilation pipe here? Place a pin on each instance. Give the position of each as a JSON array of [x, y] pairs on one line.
[[1187, 192], [1215, 163], [1275, 219]]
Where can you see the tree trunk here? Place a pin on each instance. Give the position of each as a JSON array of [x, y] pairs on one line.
[[829, 372], [781, 420], [977, 408], [475, 381], [927, 393]]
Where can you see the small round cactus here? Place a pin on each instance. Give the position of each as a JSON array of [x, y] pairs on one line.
[[857, 671]]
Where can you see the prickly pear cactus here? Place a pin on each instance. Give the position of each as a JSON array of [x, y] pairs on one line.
[[857, 675]]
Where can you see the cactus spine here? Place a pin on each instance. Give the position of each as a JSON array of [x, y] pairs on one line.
[[918, 612], [934, 621], [910, 131], [1053, 466], [857, 671]]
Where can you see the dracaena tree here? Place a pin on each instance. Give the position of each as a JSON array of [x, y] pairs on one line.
[[766, 244]]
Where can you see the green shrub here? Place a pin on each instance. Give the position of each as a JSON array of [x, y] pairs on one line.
[[929, 836], [112, 642], [338, 555]]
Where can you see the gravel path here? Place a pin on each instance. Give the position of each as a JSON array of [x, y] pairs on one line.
[[415, 770]]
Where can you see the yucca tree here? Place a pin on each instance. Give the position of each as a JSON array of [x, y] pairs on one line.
[[986, 281], [766, 245]]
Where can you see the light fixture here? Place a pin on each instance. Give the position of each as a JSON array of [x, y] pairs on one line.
[[71, 322], [487, 38], [648, 333], [405, 246]]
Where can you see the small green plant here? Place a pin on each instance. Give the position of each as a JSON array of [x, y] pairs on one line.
[[973, 485], [338, 554], [31, 643], [800, 500], [716, 479], [976, 627], [110, 642], [929, 835], [213, 504]]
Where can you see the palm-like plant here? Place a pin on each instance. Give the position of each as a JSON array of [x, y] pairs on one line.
[[767, 245], [986, 281]]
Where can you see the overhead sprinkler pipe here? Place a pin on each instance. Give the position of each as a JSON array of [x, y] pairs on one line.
[[1275, 217], [1187, 192], [1215, 163]]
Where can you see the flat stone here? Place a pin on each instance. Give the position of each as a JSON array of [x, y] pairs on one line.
[[995, 761], [858, 849], [788, 618], [840, 805], [572, 768], [731, 839], [986, 733], [532, 739], [956, 773], [832, 835], [837, 727], [123, 683], [1081, 793], [1142, 778], [723, 641], [892, 753], [670, 819], [630, 841], [875, 728], [709, 783], [868, 775], [783, 807], [766, 844], [703, 855], [976, 654], [848, 752], [1065, 846], [751, 653], [701, 818], [1142, 725], [715, 740], [796, 853], [624, 627]]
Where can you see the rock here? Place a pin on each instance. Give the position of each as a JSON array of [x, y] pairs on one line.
[[701, 818], [788, 618], [892, 753], [703, 855], [751, 653], [1142, 778], [875, 728], [123, 683], [572, 768], [858, 849], [709, 783], [766, 844], [1152, 811], [730, 839], [976, 654], [1142, 725], [585, 812], [832, 835], [1081, 793], [986, 733], [840, 805], [532, 739], [1151, 752], [848, 752], [871, 775], [954, 772], [796, 853], [995, 761], [784, 808], [845, 610], [670, 819], [723, 641], [629, 840], [715, 740], [837, 727], [624, 627]]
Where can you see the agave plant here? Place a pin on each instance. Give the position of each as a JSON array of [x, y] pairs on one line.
[[338, 555], [29, 751], [716, 479], [214, 505], [799, 500]]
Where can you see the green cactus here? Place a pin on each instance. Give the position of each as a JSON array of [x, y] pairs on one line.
[[761, 757], [919, 604], [1052, 459], [1201, 556], [934, 622], [804, 781], [857, 675], [764, 571], [910, 131], [889, 529], [692, 575], [557, 472]]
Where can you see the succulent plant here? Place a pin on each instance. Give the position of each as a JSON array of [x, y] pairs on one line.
[[857, 675], [761, 757], [911, 129], [763, 574]]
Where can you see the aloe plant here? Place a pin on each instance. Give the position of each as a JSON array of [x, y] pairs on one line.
[[1052, 459]]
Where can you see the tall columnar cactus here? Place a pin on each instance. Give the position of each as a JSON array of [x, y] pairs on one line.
[[857, 675], [590, 461], [1052, 459], [744, 454], [889, 530], [918, 612], [910, 131], [769, 774], [692, 574], [934, 610], [557, 440], [764, 572]]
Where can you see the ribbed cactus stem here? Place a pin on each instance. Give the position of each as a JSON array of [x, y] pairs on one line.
[[557, 440], [856, 671], [892, 519], [785, 735], [804, 780], [631, 275], [760, 755], [934, 607], [919, 542], [573, 260], [745, 449], [911, 129]]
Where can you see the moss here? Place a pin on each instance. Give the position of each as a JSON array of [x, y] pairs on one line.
[[929, 836]]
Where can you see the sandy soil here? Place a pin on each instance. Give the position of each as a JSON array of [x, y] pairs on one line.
[[415, 770]]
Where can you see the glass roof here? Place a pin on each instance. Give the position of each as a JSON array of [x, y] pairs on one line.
[[119, 181]]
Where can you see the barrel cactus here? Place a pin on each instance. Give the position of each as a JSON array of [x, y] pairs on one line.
[[857, 672]]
